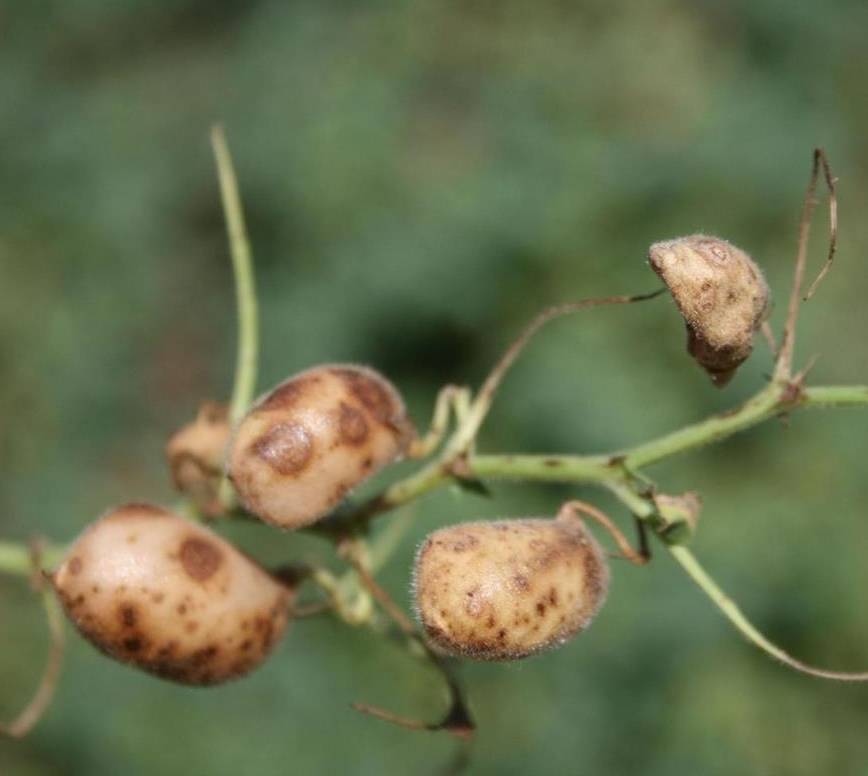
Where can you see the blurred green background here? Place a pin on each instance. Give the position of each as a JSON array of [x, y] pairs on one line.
[[419, 179]]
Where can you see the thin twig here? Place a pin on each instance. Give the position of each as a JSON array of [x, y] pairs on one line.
[[38, 705], [769, 336], [449, 399], [384, 599], [729, 608], [457, 720], [833, 225], [484, 398], [784, 364], [572, 510], [247, 356]]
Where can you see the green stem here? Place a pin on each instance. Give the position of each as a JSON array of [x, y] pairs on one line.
[[17, 558], [247, 356], [606, 470], [242, 266], [732, 612], [768, 403]]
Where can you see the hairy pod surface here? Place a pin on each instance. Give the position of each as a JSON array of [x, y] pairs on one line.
[[196, 454], [722, 295], [507, 589], [308, 442], [155, 591]]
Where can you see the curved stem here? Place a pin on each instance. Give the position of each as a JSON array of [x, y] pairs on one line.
[[731, 611], [246, 361], [466, 434], [244, 384], [38, 705]]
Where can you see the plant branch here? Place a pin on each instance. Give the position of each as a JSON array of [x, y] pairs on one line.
[[768, 403]]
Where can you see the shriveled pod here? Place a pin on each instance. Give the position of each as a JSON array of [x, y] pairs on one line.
[[304, 445], [158, 592], [196, 454], [507, 589], [722, 295]]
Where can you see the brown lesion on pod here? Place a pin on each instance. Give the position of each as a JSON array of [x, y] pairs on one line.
[[196, 455], [508, 589], [285, 447], [722, 295], [303, 446], [116, 594]]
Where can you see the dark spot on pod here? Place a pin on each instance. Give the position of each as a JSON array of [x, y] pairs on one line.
[[553, 597], [267, 634], [127, 615], [137, 509], [132, 644], [370, 394], [541, 608], [285, 447], [464, 542], [521, 583], [203, 656], [352, 425], [341, 490], [75, 566], [200, 558], [246, 645], [285, 395]]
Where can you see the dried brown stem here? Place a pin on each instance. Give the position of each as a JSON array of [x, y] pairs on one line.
[[457, 721], [36, 708], [833, 224], [785, 354], [573, 510], [484, 398]]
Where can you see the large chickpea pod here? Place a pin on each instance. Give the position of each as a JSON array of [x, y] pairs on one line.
[[508, 589], [308, 442], [160, 593]]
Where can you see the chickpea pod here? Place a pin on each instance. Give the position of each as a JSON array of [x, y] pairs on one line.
[[308, 442], [507, 589], [722, 295], [196, 455], [155, 591]]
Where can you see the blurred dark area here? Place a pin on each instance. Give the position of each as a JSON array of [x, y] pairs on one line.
[[419, 179]]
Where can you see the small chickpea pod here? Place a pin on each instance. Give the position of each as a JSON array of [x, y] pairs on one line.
[[307, 443], [722, 295], [158, 592], [507, 589], [196, 455]]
